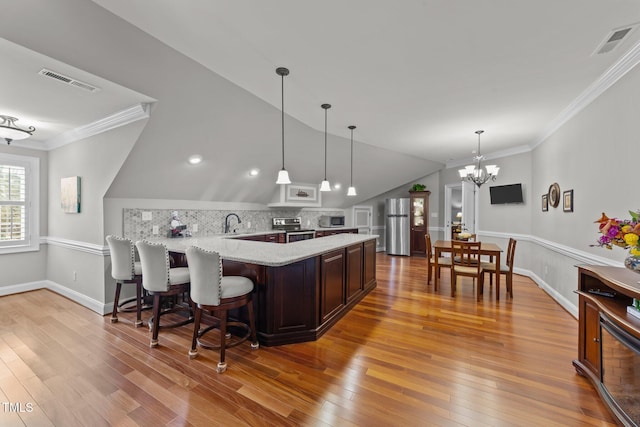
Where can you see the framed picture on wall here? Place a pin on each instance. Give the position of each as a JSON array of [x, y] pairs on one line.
[[545, 202], [70, 194], [567, 201]]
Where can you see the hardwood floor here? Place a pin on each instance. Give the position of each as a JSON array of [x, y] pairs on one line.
[[405, 356]]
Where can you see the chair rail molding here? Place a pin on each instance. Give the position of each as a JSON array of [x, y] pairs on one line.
[[76, 245]]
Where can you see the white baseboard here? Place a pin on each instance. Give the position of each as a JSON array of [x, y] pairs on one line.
[[557, 297], [22, 287], [83, 300]]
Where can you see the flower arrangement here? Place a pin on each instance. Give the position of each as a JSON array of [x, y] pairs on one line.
[[623, 233]]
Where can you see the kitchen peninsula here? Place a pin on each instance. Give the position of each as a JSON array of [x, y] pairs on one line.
[[302, 288]]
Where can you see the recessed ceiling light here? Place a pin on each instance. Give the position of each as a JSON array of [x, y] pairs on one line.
[[254, 172], [336, 185], [195, 159]]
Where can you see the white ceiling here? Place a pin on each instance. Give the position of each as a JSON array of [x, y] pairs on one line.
[[51, 106], [416, 76]]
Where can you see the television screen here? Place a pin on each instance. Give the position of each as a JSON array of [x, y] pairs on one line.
[[506, 194]]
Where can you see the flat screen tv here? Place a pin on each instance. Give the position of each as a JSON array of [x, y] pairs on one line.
[[502, 194]]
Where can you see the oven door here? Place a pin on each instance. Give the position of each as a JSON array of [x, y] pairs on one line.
[[300, 235]]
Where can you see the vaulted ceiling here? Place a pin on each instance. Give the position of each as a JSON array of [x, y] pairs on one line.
[[417, 78]]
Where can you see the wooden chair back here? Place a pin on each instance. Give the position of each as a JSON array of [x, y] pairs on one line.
[[466, 254]]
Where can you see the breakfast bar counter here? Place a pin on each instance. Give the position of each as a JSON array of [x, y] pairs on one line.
[[302, 288]]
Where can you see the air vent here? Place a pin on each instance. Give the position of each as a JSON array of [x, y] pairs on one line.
[[614, 38], [68, 80]]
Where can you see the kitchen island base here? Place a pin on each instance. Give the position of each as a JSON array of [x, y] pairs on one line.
[[299, 302]]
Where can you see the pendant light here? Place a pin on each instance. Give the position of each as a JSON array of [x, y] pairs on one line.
[[325, 186], [283, 175], [352, 190]]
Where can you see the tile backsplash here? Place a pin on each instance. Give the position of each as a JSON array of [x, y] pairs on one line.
[[210, 221]]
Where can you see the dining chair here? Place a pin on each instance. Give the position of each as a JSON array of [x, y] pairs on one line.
[[507, 270], [443, 262], [211, 291], [125, 270], [161, 281], [465, 256]]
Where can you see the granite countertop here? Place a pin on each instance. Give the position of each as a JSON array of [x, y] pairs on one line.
[[264, 253]]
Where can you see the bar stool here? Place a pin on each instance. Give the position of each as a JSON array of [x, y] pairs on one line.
[[162, 281], [211, 291], [125, 270]]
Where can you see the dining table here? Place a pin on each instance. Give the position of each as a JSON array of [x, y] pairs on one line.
[[489, 249]]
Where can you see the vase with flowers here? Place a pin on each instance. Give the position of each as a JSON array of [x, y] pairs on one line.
[[624, 233]]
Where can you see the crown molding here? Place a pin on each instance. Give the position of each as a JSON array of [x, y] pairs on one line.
[[495, 155], [124, 117], [625, 64]]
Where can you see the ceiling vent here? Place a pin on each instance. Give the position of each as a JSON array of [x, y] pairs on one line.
[[68, 80], [614, 38]]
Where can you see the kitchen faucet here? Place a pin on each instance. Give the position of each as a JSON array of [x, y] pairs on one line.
[[226, 221]]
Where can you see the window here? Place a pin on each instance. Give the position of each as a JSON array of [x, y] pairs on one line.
[[19, 195]]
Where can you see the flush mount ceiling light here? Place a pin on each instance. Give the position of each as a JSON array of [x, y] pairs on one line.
[[475, 173], [325, 186], [195, 159], [10, 131], [352, 190], [283, 175]]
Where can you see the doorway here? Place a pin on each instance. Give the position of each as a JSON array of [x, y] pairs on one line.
[[362, 217], [459, 208]]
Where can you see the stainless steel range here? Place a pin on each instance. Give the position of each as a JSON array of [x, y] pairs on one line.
[[293, 229]]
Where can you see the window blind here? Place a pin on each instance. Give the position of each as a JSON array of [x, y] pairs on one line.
[[13, 205]]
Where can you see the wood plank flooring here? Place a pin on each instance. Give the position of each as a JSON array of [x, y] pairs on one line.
[[405, 356]]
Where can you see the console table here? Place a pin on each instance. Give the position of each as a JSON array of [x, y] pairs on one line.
[[609, 338]]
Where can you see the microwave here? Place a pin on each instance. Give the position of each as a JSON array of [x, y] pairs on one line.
[[331, 221]]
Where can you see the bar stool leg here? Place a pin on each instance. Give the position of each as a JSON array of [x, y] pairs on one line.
[[196, 328], [156, 320], [114, 314], [222, 365]]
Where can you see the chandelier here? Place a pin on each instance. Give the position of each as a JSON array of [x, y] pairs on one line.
[[475, 173], [10, 131]]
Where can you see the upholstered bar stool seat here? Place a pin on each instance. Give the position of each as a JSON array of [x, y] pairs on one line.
[[125, 270], [211, 291], [162, 281]]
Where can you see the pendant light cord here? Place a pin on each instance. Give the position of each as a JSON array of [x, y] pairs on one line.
[[325, 144], [351, 182], [282, 109]]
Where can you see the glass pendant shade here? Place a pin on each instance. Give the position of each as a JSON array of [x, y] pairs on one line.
[[325, 186], [283, 177], [352, 191]]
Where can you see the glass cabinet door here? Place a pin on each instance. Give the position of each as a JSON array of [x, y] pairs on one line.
[[418, 212]]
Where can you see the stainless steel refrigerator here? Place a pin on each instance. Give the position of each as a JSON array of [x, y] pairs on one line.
[[396, 214]]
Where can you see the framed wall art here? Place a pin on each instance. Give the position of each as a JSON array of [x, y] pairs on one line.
[[567, 201], [554, 195], [70, 194]]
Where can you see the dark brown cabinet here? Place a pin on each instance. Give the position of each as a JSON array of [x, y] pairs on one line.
[[354, 271], [418, 221], [325, 233], [369, 265], [300, 301], [609, 338], [331, 284]]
